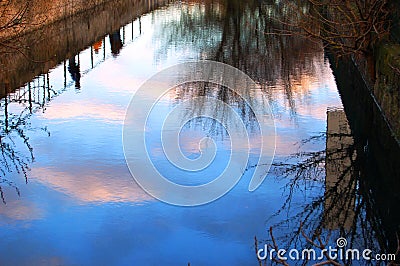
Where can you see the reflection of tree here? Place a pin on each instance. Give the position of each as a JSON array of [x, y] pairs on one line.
[[16, 151], [11, 159], [237, 33], [15, 19], [347, 208], [190, 91], [12, 20], [346, 27]]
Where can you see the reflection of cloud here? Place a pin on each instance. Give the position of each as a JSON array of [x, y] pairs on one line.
[[95, 187], [106, 112], [17, 209], [125, 83], [190, 141], [309, 94], [46, 261]]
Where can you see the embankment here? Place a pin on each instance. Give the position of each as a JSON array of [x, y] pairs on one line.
[[38, 50]]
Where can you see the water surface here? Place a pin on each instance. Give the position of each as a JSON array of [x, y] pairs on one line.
[[78, 203]]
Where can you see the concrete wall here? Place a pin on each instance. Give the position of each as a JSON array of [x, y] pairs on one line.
[[340, 184]]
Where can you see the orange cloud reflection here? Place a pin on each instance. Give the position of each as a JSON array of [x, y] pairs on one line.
[[106, 112], [94, 187], [17, 209]]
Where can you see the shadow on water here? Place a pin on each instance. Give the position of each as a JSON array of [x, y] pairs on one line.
[[357, 174]]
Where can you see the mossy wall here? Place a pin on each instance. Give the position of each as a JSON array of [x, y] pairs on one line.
[[387, 86], [387, 64], [383, 77]]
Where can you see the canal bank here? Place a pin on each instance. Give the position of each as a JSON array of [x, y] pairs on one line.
[[20, 17], [39, 49], [370, 93], [377, 151], [383, 78]]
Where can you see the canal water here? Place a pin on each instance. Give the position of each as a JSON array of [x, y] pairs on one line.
[[68, 197]]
